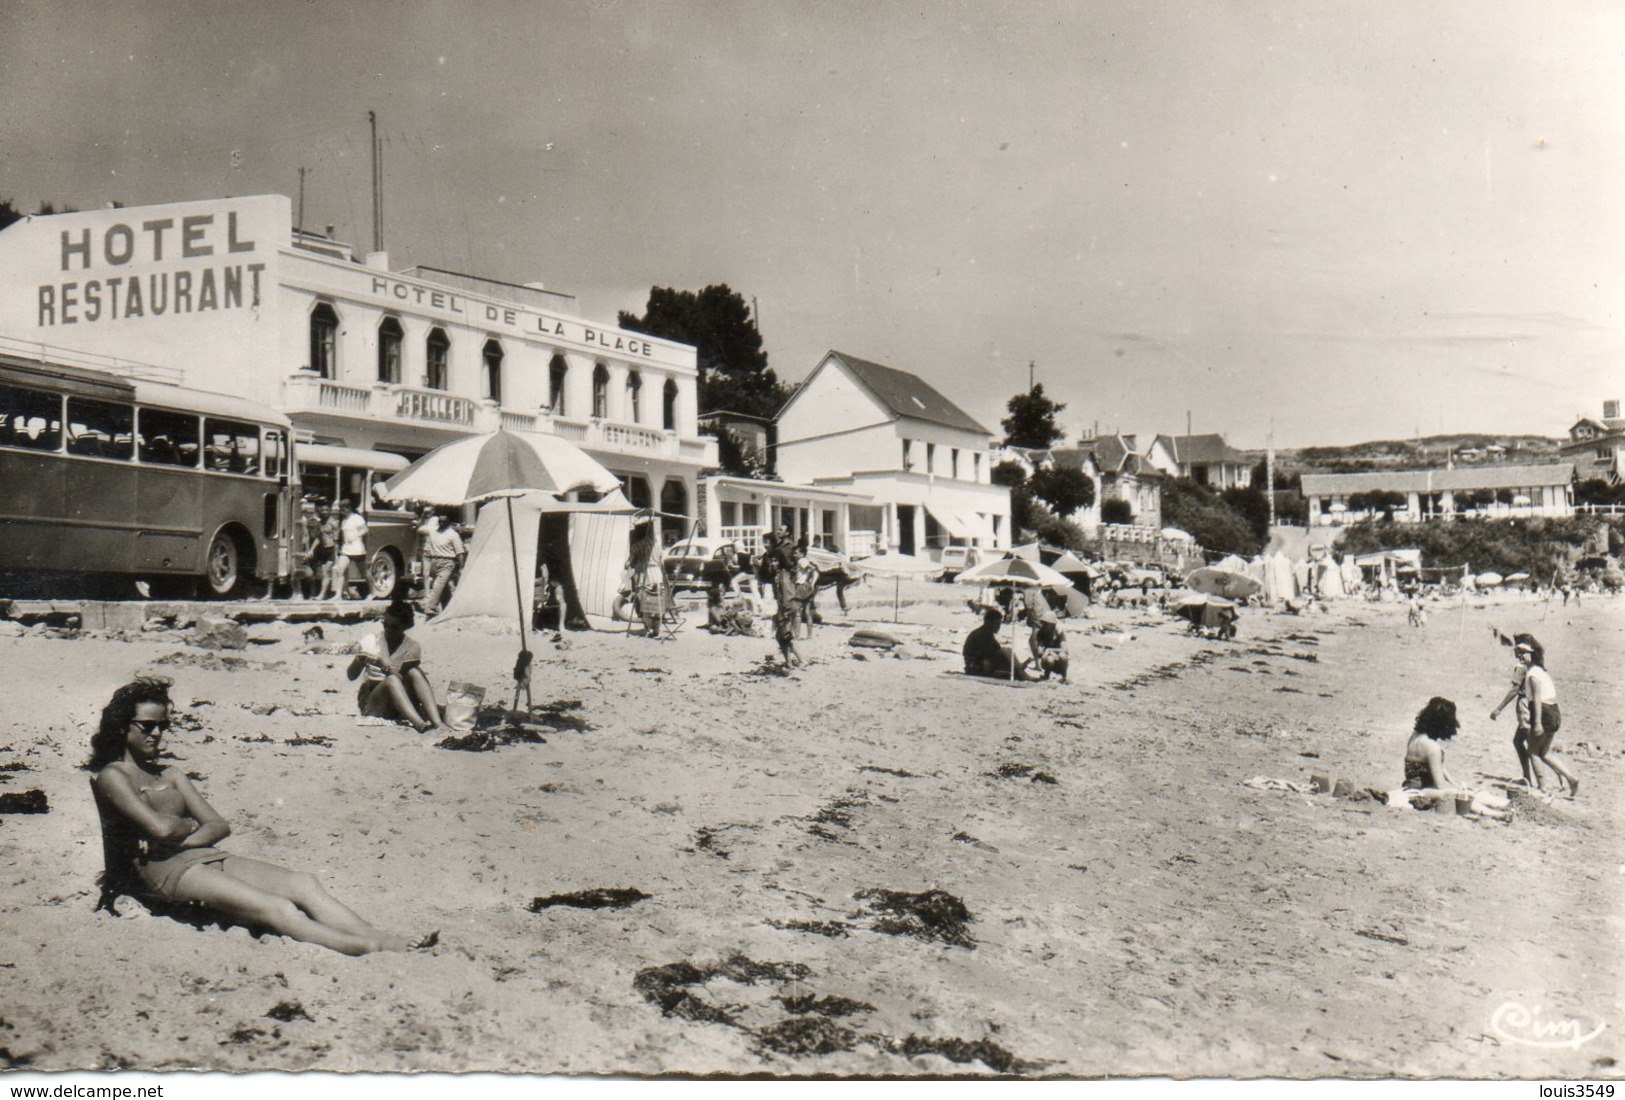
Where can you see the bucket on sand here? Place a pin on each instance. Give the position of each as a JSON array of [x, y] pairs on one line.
[[1464, 804], [1320, 784]]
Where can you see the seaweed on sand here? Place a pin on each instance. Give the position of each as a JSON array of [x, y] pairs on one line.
[[932, 915], [801, 1035], [668, 986], [598, 898]]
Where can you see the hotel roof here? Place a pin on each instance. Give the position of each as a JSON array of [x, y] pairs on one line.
[[1436, 480], [907, 395]]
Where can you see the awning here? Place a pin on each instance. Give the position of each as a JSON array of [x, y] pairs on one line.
[[951, 521]]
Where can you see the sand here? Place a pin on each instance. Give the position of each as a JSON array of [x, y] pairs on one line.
[[1098, 890]]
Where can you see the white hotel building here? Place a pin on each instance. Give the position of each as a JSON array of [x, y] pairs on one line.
[[229, 298]]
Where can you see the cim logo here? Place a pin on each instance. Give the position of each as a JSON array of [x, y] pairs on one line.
[[1530, 1027]]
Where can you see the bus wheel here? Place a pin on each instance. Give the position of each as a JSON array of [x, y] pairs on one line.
[[223, 568], [383, 575]]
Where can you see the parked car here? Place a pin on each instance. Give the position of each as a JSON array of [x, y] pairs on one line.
[[956, 559], [696, 562]]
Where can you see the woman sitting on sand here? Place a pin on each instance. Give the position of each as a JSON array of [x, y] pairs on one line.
[[170, 833], [1424, 755], [390, 664]]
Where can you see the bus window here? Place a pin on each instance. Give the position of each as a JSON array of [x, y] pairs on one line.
[[168, 438], [273, 453], [100, 429], [233, 447], [30, 419], [321, 482], [355, 488]]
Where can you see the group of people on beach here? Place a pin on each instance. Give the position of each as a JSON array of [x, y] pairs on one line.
[[1533, 696], [986, 655]]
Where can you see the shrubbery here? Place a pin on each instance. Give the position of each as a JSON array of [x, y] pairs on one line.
[[1539, 547]]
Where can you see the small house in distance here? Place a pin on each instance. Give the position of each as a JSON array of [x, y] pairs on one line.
[[886, 434], [1205, 459], [1597, 446]]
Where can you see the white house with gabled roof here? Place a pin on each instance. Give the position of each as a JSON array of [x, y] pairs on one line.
[[889, 435]]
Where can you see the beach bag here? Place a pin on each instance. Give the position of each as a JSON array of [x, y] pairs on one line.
[[463, 705]]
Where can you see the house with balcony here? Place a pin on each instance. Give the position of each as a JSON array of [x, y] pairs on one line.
[[1205, 459], [229, 295], [1127, 476], [887, 435], [1596, 446]]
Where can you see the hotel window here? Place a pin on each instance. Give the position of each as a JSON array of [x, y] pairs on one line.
[[634, 397], [390, 337], [439, 348], [600, 391], [557, 371], [324, 341], [930, 458], [953, 463], [908, 462], [1605, 453], [493, 371], [668, 413]]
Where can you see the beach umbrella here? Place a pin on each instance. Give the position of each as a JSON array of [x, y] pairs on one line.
[[1488, 580], [503, 464], [897, 566], [1014, 571], [1517, 576], [1229, 583], [1174, 534]]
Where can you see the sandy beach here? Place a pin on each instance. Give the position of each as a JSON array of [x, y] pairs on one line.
[[1095, 888]]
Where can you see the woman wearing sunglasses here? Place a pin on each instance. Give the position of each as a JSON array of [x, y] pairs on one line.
[[172, 832]]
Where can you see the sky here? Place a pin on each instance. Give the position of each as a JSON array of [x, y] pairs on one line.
[[1312, 222]]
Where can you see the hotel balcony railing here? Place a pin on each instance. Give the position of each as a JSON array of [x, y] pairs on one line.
[[309, 393]]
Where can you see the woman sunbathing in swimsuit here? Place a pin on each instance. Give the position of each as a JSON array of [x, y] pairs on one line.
[[1424, 755], [176, 831]]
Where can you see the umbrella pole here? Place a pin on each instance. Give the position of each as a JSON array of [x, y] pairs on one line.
[[521, 668], [896, 596]]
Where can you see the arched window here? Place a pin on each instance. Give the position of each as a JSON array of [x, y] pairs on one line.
[[557, 371], [634, 397], [674, 502], [439, 347], [668, 415], [600, 391], [493, 371], [324, 341], [390, 337]]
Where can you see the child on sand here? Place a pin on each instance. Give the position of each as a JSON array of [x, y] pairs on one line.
[[162, 836], [390, 664]]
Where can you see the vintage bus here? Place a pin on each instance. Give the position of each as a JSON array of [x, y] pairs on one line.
[[114, 477], [329, 474]]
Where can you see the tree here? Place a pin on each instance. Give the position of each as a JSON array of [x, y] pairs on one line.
[[734, 374], [1066, 491], [1028, 513], [1031, 422], [1116, 510], [1209, 518]]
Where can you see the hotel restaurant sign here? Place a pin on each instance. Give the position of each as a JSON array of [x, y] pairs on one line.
[[85, 270]]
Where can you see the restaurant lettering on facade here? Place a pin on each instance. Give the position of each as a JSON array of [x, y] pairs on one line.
[[521, 320], [195, 288]]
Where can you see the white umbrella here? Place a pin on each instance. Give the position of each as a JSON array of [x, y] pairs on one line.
[[1488, 580], [897, 566], [1230, 584], [1174, 534]]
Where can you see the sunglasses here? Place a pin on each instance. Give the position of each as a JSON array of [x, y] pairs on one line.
[[147, 725]]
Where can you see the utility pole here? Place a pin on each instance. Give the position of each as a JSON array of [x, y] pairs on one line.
[[299, 223], [1269, 471], [1031, 368]]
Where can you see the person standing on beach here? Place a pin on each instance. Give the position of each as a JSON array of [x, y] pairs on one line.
[[352, 554], [442, 551], [1544, 718]]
